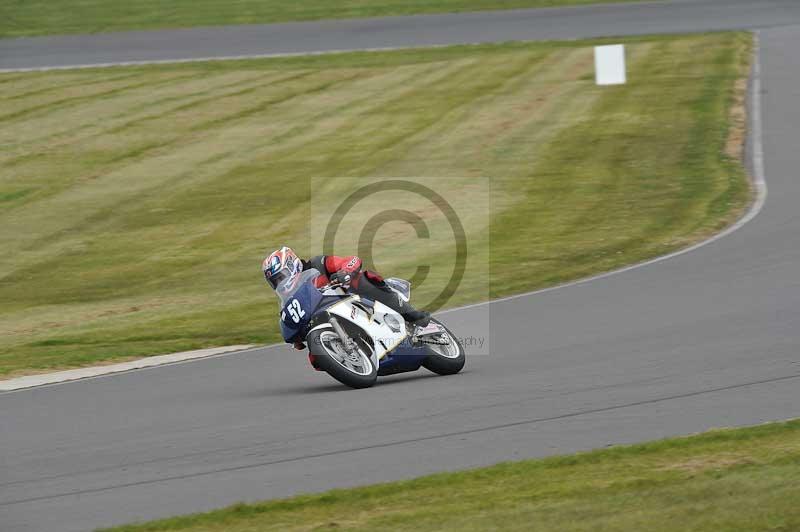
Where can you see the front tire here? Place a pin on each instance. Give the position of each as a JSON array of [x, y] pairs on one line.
[[445, 359], [355, 370]]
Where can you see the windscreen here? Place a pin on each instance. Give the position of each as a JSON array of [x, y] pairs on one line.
[[287, 287]]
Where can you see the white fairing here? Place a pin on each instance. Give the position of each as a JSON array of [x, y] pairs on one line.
[[385, 326]]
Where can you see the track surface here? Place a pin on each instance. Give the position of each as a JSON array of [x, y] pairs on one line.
[[706, 339], [531, 24]]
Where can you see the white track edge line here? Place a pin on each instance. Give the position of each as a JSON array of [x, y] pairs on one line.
[[759, 183], [133, 369], [245, 57]]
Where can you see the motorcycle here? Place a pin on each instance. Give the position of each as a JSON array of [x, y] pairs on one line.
[[355, 340]]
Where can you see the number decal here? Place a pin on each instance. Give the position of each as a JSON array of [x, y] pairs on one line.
[[295, 311]]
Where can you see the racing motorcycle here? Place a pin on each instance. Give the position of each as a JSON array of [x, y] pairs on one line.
[[355, 339]]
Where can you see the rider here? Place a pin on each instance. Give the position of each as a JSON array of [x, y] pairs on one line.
[[284, 264]]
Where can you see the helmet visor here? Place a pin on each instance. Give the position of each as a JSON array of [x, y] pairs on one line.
[[276, 278]]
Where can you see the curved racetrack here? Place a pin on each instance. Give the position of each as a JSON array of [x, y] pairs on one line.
[[705, 339]]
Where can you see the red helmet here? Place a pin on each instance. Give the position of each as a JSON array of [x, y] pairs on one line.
[[281, 265]]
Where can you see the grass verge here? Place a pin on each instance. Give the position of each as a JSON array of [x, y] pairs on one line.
[[136, 203], [20, 18], [733, 480]]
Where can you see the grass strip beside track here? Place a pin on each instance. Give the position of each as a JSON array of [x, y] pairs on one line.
[[136, 203], [733, 480], [45, 17]]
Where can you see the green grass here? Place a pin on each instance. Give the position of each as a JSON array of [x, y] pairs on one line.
[[41, 17], [731, 480], [136, 203]]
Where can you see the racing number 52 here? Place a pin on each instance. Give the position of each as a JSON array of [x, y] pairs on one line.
[[295, 311]]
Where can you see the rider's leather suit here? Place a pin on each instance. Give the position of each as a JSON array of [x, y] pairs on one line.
[[364, 283]]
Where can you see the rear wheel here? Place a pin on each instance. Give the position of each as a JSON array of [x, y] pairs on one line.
[[446, 353], [351, 369]]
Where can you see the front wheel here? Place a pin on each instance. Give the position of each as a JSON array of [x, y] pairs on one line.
[[446, 353], [351, 369]]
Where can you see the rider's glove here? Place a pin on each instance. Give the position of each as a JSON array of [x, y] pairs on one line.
[[343, 278]]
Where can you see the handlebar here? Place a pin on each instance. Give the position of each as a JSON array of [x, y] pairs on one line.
[[332, 285]]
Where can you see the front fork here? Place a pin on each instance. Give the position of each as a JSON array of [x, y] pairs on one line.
[[347, 342]]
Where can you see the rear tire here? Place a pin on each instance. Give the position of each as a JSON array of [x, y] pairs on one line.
[[448, 364], [355, 371]]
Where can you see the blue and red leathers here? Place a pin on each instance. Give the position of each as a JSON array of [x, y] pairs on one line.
[[364, 283]]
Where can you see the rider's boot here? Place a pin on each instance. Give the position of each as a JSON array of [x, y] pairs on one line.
[[420, 318]]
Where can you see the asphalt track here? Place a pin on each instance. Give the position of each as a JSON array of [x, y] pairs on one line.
[[706, 339], [308, 37]]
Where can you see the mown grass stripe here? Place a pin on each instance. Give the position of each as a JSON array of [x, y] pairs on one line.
[[64, 103], [400, 129], [37, 247], [71, 129], [58, 87], [520, 93], [209, 97], [335, 122]]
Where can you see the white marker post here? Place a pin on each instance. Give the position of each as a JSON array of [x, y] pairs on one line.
[[609, 64]]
